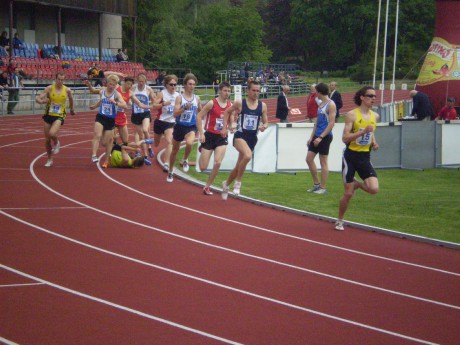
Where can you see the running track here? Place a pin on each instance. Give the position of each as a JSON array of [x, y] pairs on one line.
[[96, 257]]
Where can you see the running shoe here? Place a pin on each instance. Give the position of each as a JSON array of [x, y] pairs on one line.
[[224, 191], [314, 188], [185, 165], [49, 163], [207, 191], [57, 148], [148, 141], [151, 155], [166, 167], [237, 188], [339, 225], [146, 161], [320, 191], [170, 177], [94, 159]]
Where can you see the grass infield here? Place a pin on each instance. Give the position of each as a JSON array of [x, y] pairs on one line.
[[425, 203]]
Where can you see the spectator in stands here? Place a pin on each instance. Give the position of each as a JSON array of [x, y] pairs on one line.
[[11, 66], [161, 77], [4, 41], [448, 112], [422, 108], [312, 104], [17, 42], [4, 83], [13, 92], [121, 56]]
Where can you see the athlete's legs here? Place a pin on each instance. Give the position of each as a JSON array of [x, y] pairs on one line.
[[140, 136], [219, 154], [369, 185], [245, 155], [123, 132], [48, 147], [169, 139], [324, 170], [172, 158], [107, 141], [189, 140], [145, 130], [312, 166], [98, 129], [205, 156], [348, 192]]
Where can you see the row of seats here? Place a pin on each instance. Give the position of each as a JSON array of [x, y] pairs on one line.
[[47, 68], [84, 53]]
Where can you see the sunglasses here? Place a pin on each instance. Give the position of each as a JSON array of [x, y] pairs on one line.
[[172, 84], [370, 96]]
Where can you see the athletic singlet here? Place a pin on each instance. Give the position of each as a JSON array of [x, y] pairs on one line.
[[188, 117], [167, 111], [215, 118], [107, 108], [323, 119], [364, 142], [125, 96], [116, 160], [248, 119], [143, 97], [56, 103]]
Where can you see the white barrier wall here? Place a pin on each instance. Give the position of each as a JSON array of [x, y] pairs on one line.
[[283, 147]]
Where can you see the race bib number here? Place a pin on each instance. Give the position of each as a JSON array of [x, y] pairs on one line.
[[250, 122], [137, 109], [187, 116], [170, 109], [56, 108], [107, 109], [365, 139], [219, 124], [120, 110]]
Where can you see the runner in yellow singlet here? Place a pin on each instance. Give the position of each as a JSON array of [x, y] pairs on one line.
[[359, 136], [55, 97]]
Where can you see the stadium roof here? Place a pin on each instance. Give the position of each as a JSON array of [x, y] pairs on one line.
[[127, 8]]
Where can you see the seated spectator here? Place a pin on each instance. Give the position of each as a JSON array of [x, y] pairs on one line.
[[448, 112], [17, 42], [4, 41], [122, 56], [65, 64]]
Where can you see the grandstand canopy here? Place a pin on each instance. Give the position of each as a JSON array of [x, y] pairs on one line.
[[127, 8]]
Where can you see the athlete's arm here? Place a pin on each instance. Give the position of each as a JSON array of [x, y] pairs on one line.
[[236, 106], [200, 117], [178, 108], [264, 125], [70, 97], [91, 88], [119, 101], [43, 97], [95, 105]]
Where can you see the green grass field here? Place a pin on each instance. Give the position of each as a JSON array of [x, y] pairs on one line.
[[425, 203]]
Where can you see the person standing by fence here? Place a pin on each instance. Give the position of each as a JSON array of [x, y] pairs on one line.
[[13, 90]]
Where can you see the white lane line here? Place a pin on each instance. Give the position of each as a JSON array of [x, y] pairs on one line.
[[7, 342], [276, 232], [119, 306], [19, 285], [233, 250], [210, 282], [42, 208]]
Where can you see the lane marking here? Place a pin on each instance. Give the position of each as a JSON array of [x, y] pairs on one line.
[[276, 232], [42, 208], [205, 281], [19, 285], [118, 306], [279, 263], [7, 342]]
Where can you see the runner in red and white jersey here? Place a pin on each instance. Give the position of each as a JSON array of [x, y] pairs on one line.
[[211, 140]]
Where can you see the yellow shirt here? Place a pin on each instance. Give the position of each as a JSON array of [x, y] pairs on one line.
[[116, 160], [364, 142], [57, 102]]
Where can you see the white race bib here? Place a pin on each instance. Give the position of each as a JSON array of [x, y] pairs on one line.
[[219, 124], [250, 122], [107, 109], [56, 108], [187, 116], [365, 139]]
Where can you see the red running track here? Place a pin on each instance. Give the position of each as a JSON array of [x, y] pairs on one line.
[[116, 256]]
